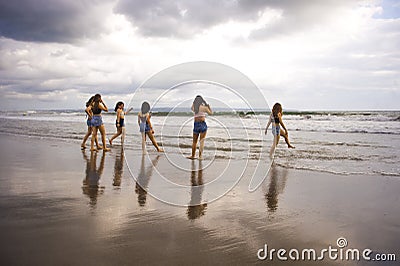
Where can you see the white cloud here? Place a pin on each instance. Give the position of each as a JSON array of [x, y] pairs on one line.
[[294, 51]]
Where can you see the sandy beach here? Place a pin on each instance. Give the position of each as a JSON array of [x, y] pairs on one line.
[[54, 212]]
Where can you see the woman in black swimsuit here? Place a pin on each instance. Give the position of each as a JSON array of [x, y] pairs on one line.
[[96, 120], [89, 129], [120, 122]]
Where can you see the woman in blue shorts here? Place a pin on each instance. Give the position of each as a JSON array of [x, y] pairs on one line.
[[146, 128], [95, 108], [89, 127], [200, 109], [276, 120]]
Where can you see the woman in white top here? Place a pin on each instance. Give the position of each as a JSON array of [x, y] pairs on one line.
[[200, 109]]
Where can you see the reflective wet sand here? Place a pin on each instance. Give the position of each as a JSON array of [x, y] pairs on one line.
[[60, 205]]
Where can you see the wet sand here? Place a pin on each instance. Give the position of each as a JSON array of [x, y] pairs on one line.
[[60, 205]]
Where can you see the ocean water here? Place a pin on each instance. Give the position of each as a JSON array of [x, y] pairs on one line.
[[345, 143]]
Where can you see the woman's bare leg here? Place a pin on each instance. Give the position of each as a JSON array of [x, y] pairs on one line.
[[201, 148], [123, 135], [286, 137], [153, 140], [94, 137], [274, 145], [96, 140], [119, 132], [88, 133], [103, 137], [194, 145], [143, 143]]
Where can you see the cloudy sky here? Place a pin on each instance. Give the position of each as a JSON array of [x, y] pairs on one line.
[[309, 55]]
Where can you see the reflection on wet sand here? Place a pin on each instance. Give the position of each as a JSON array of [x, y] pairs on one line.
[[118, 167], [143, 179], [91, 186], [277, 182], [196, 209]]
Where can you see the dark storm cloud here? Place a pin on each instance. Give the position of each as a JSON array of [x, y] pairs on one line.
[[67, 21], [180, 18], [175, 18], [62, 21]]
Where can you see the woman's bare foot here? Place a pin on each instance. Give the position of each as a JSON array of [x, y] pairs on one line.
[[160, 150], [93, 149], [191, 157], [106, 149], [291, 147], [99, 147], [110, 141]]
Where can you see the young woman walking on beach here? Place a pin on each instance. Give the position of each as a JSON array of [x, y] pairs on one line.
[[120, 122], [95, 108], [146, 127], [200, 109], [89, 125], [276, 120]]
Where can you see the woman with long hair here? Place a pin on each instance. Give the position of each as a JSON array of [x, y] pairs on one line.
[[89, 126], [146, 128], [200, 108], [95, 108], [120, 122], [276, 120]]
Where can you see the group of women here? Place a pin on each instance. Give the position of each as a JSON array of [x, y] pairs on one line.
[[94, 121], [95, 106], [200, 107]]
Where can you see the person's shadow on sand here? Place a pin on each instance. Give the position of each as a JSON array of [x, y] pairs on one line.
[[277, 183], [195, 208], [143, 179], [118, 167], [90, 185]]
